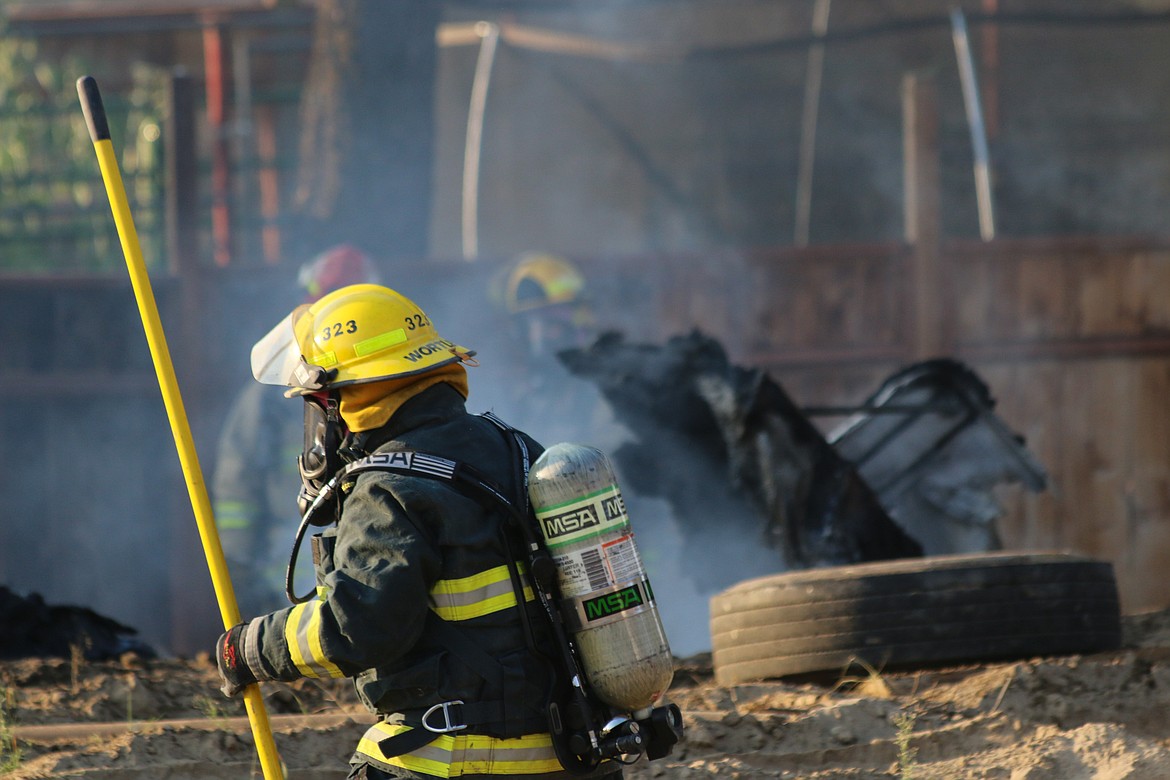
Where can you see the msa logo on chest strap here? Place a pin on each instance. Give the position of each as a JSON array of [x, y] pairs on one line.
[[418, 464], [405, 462]]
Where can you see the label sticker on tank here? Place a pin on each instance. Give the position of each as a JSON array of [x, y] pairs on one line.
[[582, 571], [621, 556], [602, 512], [599, 566]]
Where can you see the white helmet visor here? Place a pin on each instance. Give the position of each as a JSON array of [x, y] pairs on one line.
[[276, 358]]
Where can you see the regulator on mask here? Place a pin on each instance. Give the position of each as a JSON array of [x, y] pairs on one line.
[[320, 458]]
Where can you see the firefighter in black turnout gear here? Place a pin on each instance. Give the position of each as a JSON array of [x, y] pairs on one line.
[[422, 595]]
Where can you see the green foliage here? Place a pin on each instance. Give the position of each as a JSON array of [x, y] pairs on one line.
[[904, 722], [10, 753], [54, 215], [211, 708]]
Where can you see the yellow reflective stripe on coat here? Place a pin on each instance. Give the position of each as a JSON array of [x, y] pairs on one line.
[[302, 632], [477, 595], [466, 754]]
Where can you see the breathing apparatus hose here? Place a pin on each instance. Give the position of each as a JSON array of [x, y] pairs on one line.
[[290, 572], [99, 132]]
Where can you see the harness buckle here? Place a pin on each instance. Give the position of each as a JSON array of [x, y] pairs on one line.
[[448, 726]]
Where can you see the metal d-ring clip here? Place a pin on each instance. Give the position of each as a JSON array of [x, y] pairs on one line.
[[447, 726]]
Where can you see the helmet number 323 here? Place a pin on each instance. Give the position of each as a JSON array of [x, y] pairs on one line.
[[337, 328]]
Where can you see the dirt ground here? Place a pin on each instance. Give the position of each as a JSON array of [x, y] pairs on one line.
[[1064, 718]]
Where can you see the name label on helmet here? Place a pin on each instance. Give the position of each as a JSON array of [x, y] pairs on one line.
[[426, 350]]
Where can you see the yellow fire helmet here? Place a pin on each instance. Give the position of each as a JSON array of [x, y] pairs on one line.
[[360, 333], [538, 279]]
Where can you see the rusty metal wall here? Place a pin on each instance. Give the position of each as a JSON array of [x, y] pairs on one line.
[[1072, 336]]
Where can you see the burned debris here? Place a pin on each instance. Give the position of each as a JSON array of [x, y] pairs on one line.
[[930, 445], [30, 628], [909, 473], [732, 454]]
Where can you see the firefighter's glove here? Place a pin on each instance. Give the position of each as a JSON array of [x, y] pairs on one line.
[[233, 666]]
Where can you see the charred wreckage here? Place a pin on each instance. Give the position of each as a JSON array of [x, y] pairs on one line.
[[911, 471]]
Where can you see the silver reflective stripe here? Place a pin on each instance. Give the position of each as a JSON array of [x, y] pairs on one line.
[[252, 647], [477, 595], [302, 632]]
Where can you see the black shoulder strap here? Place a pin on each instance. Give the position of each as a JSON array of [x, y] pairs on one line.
[[406, 462], [544, 576], [410, 463], [422, 464]]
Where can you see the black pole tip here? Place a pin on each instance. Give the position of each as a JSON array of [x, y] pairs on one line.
[[91, 106]]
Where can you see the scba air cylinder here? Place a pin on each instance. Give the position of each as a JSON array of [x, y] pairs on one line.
[[606, 597]]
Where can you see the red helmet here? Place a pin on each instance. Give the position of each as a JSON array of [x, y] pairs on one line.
[[334, 268]]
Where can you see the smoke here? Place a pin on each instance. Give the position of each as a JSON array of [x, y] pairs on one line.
[[685, 574], [84, 524], [537, 394]]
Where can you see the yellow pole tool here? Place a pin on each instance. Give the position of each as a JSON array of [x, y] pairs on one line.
[[99, 132]]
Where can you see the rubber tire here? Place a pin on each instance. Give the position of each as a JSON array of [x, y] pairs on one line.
[[914, 612]]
